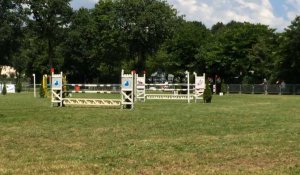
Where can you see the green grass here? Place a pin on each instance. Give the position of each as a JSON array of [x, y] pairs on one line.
[[236, 134]]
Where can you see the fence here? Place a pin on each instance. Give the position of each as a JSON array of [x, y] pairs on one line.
[[289, 89], [29, 87]]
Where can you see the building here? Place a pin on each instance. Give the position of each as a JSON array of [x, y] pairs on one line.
[[8, 71]]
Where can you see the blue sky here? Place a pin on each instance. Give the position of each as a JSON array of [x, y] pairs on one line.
[[275, 13]]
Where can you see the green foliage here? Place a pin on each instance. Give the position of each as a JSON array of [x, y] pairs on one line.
[[289, 62], [242, 49], [223, 87], [144, 25], [93, 45], [4, 90], [48, 22], [18, 86], [11, 22], [42, 92], [184, 46], [20, 59], [207, 95]]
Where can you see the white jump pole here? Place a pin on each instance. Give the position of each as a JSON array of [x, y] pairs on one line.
[[34, 86], [188, 85]]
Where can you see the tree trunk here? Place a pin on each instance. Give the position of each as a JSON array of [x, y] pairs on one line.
[[50, 53], [141, 62]]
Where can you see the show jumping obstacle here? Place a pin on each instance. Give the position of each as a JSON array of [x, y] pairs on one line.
[[132, 88], [126, 101], [197, 89]]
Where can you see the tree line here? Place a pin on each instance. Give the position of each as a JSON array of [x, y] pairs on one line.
[[93, 45]]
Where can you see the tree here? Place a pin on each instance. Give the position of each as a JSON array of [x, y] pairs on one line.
[[145, 25], [242, 49], [289, 62], [217, 27], [78, 47], [20, 59], [114, 35], [12, 20], [110, 47], [184, 47], [49, 20], [93, 49]]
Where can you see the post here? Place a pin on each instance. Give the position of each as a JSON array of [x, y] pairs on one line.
[[127, 90], [140, 83], [135, 75], [195, 91], [34, 86], [61, 91], [188, 85], [56, 89]]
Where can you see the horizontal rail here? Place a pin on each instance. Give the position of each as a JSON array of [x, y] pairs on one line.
[[92, 102], [94, 85], [166, 97], [167, 89], [169, 84], [94, 92]]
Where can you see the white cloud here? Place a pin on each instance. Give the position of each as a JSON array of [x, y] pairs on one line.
[[212, 11], [295, 5]]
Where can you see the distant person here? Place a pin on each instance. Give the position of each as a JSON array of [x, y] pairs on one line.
[[211, 84], [282, 84], [278, 82], [265, 84], [218, 84]]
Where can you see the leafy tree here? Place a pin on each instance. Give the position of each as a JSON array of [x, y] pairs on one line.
[[11, 19], [216, 27], [145, 25], [114, 35], [242, 49], [262, 57], [34, 53], [183, 48], [78, 46], [110, 48], [21, 58], [93, 48], [289, 62], [49, 20]]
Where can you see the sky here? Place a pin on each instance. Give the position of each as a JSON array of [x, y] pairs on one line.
[[277, 14]]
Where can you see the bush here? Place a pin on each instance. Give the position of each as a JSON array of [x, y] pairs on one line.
[[18, 86], [66, 88], [4, 90], [42, 92], [223, 88], [207, 95]]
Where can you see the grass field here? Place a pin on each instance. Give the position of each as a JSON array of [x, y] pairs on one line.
[[236, 134]]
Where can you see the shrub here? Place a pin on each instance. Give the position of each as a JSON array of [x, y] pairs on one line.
[[223, 87], [18, 86], [66, 88], [207, 95], [4, 90], [42, 92]]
